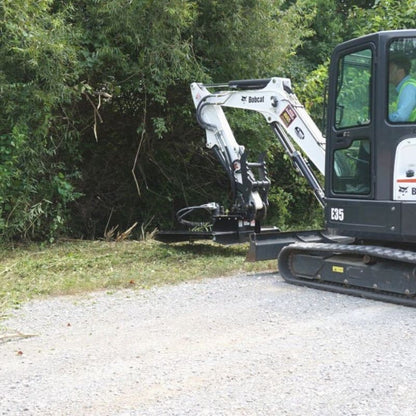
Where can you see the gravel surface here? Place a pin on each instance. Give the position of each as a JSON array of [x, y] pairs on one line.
[[243, 345]]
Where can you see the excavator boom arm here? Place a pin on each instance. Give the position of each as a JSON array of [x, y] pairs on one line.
[[275, 100]]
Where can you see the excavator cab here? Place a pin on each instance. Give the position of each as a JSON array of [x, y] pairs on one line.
[[370, 174]]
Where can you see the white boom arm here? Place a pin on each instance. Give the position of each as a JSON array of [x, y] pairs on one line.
[[275, 101], [279, 105]]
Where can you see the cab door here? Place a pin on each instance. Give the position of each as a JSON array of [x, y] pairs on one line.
[[351, 206], [351, 126]]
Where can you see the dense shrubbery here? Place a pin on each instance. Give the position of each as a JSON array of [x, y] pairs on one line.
[[97, 126]]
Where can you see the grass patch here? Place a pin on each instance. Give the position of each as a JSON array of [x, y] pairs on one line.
[[83, 266]]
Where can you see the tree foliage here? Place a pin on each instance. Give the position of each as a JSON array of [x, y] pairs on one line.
[[384, 15], [144, 55], [37, 76], [97, 127]]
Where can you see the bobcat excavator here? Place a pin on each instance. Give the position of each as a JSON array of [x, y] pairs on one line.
[[368, 160]]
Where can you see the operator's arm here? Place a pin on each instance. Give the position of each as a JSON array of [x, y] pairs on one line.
[[405, 105]]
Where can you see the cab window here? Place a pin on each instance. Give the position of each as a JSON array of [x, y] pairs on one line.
[[352, 169], [354, 90], [402, 81], [351, 160]]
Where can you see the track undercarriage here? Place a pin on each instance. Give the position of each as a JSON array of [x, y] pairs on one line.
[[372, 272]]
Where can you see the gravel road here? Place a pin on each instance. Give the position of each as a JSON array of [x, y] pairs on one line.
[[242, 345]]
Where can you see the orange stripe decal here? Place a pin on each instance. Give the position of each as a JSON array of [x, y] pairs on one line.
[[406, 180]]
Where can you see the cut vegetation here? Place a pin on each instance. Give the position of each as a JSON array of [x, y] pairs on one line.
[[82, 266]]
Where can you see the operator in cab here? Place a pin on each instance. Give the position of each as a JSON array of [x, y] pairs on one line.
[[404, 108]]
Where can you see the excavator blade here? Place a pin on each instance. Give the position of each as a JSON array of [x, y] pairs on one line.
[[267, 245]]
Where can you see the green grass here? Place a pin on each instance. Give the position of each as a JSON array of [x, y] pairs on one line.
[[82, 266]]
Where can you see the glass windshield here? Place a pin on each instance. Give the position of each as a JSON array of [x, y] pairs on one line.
[[402, 81], [354, 90]]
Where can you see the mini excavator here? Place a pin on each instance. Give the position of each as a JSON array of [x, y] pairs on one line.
[[368, 160]]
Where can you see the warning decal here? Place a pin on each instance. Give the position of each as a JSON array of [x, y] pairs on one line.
[[288, 115]]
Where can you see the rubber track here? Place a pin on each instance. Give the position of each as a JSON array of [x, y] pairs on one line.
[[373, 251]]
